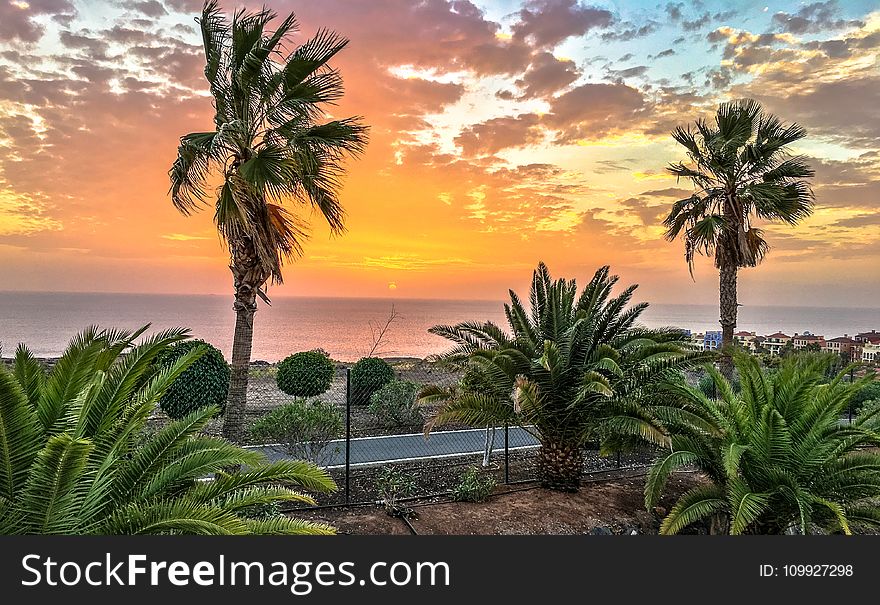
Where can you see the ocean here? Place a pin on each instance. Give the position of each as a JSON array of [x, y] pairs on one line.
[[342, 326]]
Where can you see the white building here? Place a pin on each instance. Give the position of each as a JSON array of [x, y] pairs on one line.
[[871, 353]]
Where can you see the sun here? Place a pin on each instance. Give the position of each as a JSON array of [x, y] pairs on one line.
[[392, 285]]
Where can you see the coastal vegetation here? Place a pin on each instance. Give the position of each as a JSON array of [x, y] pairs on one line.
[[305, 374], [743, 174], [302, 429], [75, 458], [204, 383], [395, 404], [270, 144], [775, 454], [575, 367], [369, 375]]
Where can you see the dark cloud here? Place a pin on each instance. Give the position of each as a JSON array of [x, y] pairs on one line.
[[492, 136], [150, 8], [645, 211], [546, 75], [860, 220], [546, 23], [670, 192], [629, 32], [95, 47], [17, 20], [673, 11], [815, 17], [843, 110], [594, 110], [629, 72]]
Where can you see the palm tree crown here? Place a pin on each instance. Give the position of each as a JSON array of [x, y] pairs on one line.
[[573, 368], [775, 453], [268, 144], [742, 171]]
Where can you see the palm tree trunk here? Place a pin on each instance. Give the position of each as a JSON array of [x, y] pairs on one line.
[[247, 279], [728, 309], [242, 340], [560, 464]]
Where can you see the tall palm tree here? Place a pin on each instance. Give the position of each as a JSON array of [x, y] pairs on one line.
[[269, 145], [75, 457], [572, 369], [775, 454], [742, 173]]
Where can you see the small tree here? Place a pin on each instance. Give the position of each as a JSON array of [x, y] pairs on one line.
[[572, 369]]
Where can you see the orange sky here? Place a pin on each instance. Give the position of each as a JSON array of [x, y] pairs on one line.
[[503, 133]]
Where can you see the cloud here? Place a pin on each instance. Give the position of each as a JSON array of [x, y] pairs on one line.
[[547, 75], [594, 110], [496, 134], [813, 18], [150, 8], [17, 18], [546, 23], [630, 32]]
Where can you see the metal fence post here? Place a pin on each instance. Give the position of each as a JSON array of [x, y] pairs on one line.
[[506, 454], [347, 435]]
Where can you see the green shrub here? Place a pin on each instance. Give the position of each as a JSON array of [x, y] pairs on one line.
[[474, 486], [305, 374], [476, 380], [866, 394], [368, 376], [395, 404], [205, 383], [393, 484], [303, 430]]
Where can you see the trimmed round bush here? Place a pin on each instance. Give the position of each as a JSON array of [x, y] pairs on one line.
[[204, 383], [368, 376], [305, 374]]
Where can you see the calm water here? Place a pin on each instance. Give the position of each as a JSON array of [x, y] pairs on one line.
[[341, 326]]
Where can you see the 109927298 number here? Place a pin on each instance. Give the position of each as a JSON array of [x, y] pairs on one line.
[[818, 569]]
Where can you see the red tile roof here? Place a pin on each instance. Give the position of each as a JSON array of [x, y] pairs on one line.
[[779, 335]]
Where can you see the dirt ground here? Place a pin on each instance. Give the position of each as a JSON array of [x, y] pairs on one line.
[[602, 506]]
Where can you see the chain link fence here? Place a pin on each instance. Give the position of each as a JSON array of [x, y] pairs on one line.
[[366, 428]]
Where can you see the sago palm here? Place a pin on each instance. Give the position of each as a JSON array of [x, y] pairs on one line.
[[743, 175], [573, 368], [270, 145], [74, 458], [775, 454]]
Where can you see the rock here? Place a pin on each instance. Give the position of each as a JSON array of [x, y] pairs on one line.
[[601, 531]]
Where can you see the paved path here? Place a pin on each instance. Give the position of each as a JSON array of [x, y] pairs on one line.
[[398, 448]]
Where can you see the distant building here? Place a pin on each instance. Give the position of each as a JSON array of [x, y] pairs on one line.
[[697, 340], [873, 337], [844, 346], [746, 340], [802, 341], [712, 340], [774, 342], [871, 353]]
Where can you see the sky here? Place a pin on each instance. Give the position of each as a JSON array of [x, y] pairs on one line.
[[503, 133]]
